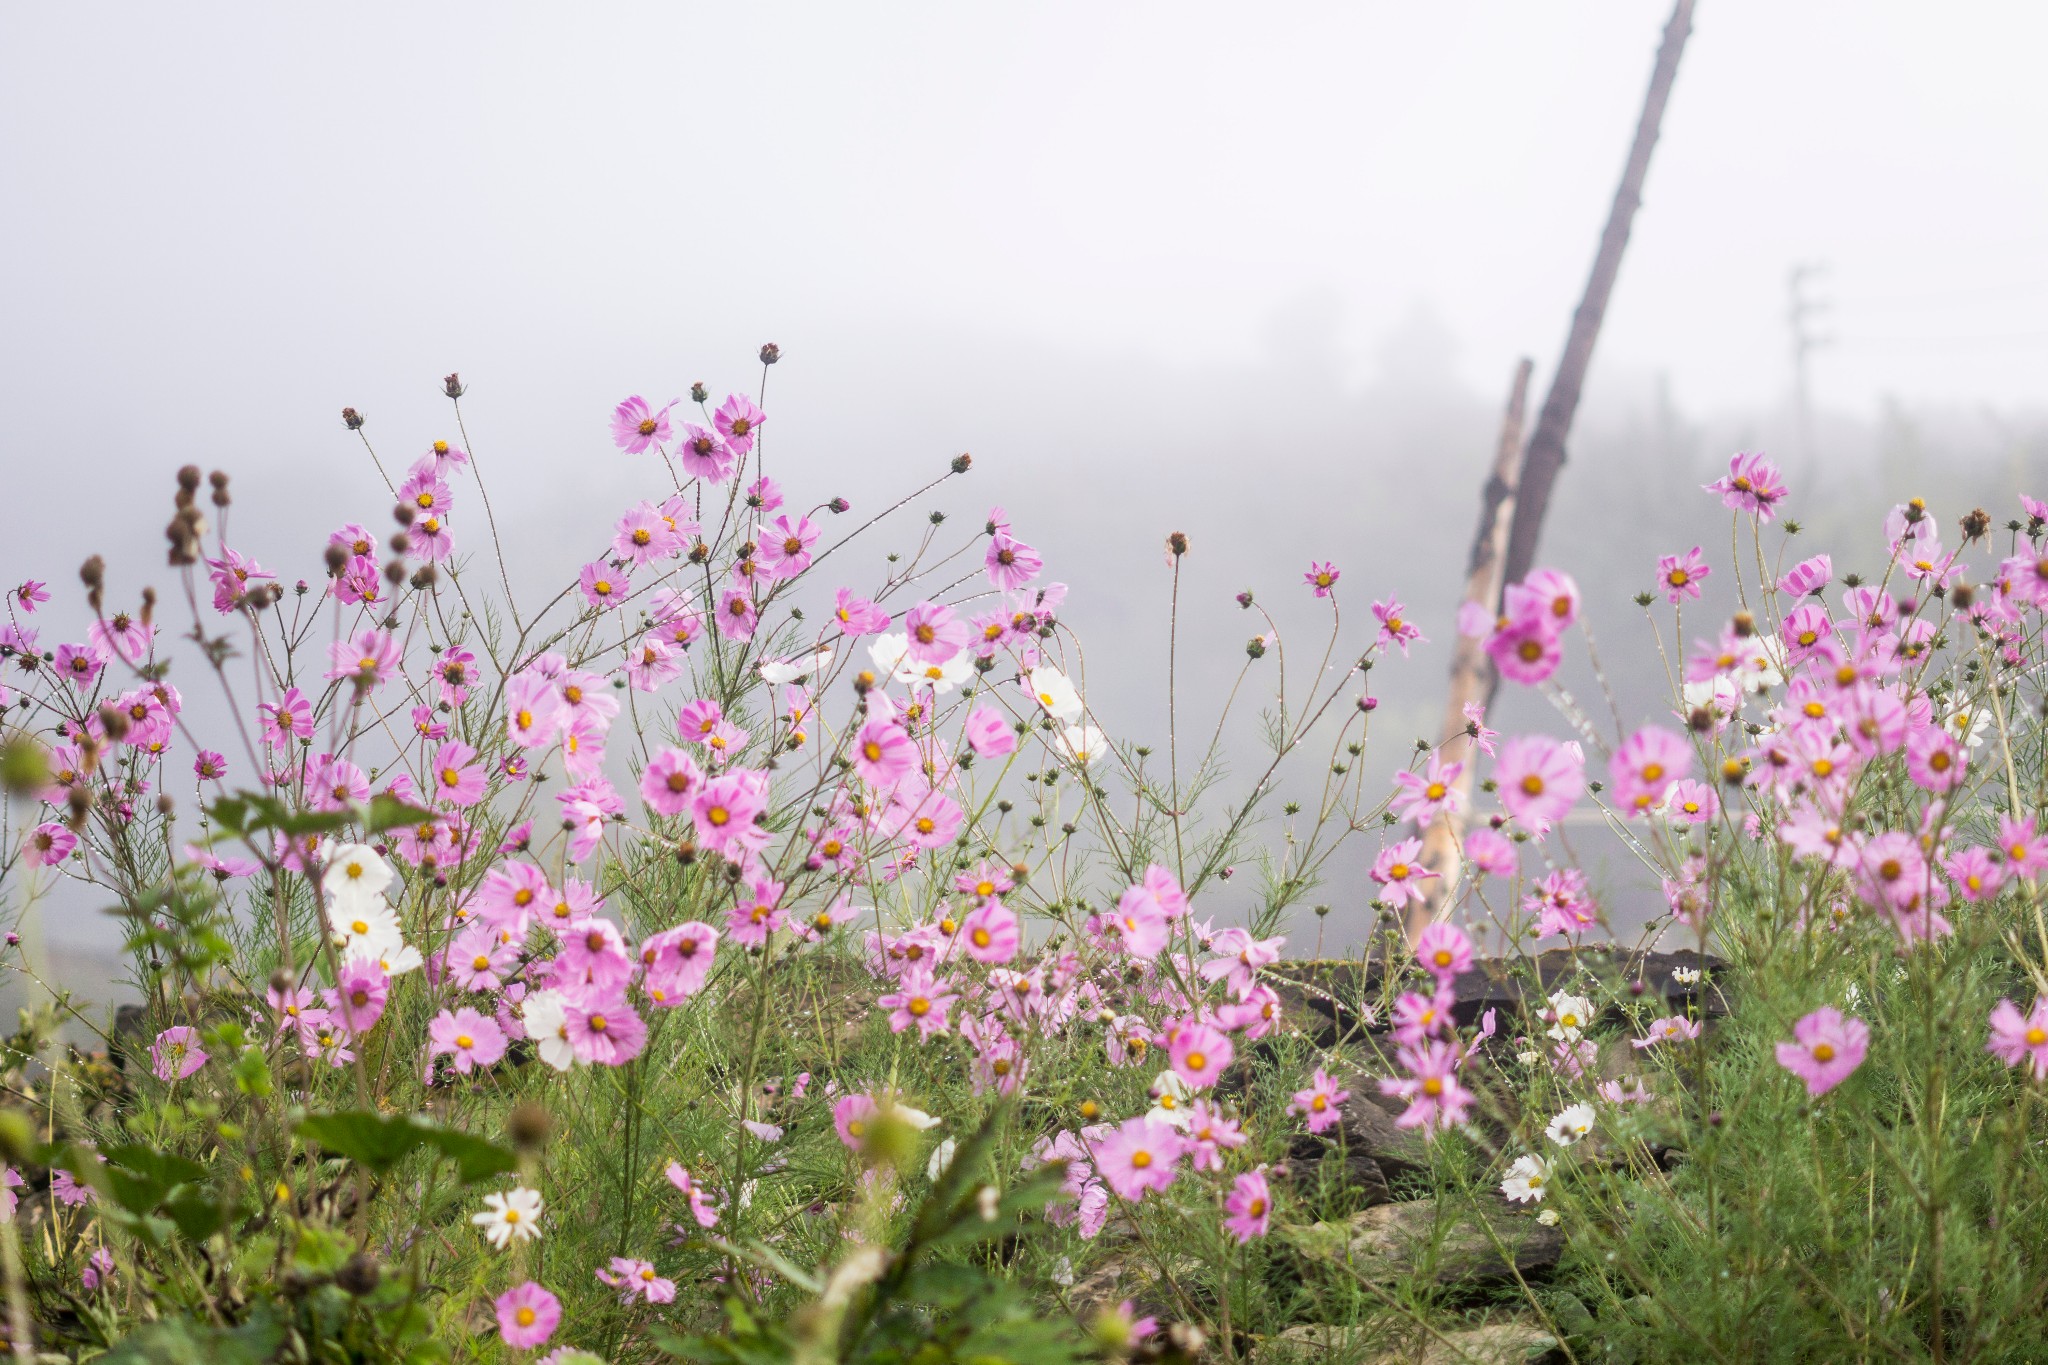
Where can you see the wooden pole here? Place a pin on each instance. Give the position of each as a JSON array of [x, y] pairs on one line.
[[1472, 672], [1546, 445]]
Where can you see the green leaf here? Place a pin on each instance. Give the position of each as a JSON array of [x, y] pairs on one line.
[[198, 1213], [475, 1158], [252, 1073], [380, 1142]]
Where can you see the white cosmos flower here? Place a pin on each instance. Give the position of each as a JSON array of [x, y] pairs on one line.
[[400, 960], [916, 1118], [354, 869], [940, 678], [1055, 692], [1527, 1181], [1169, 1100], [1763, 667], [1967, 724], [547, 1024], [364, 925], [1573, 1013], [942, 1157], [888, 651], [1085, 743], [1568, 1127], [775, 672], [510, 1217]]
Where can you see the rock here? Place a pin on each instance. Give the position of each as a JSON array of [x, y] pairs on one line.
[[1514, 1342], [1390, 1241]]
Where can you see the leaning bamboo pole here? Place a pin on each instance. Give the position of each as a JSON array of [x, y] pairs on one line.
[[1547, 444], [1472, 672]]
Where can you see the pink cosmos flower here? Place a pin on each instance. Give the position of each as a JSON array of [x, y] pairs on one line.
[[785, 545], [458, 777], [724, 810], [857, 615], [1400, 873], [1424, 796], [935, 633], [1138, 1155], [1199, 1054], [1752, 484], [1322, 577], [360, 993], [670, 782], [527, 1316], [636, 427], [1826, 1049], [1491, 852], [1240, 956], [643, 535], [991, 933], [80, 664], [603, 586], [1249, 1206], [851, 1116], [1691, 802], [1435, 1098], [921, 999], [1935, 761], [679, 961], [605, 1031], [1140, 923], [472, 1039], [1645, 766], [705, 454], [368, 658], [512, 895], [1321, 1104], [1680, 575], [988, 734], [1210, 1133], [533, 711], [2025, 851], [99, 1270], [1395, 629], [335, 783], [1806, 632], [737, 617], [1418, 1016], [1807, 576], [739, 422], [1526, 650], [702, 1207], [1561, 903], [48, 844], [2020, 1038], [756, 918], [1977, 874], [1538, 779], [883, 755], [1444, 951], [1672, 1028], [480, 958], [1011, 564], [638, 1279], [31, 594], [288, 718], [176, 1053]]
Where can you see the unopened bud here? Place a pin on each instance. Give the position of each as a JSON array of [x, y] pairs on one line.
[[404, 513], [352, 419], [1177, 544], [1976, 524], [336, 559], [962, 463], [452, 386], [770, 353], [1744, 624], [839, 505], [529, 1125], [1963, 596], [188, 478]]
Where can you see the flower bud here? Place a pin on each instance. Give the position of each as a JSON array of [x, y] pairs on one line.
[[1256, 647], [962, 462], [188, 478], [352, 419], [1744, 624], [1177, 543], [770, 353], [452, 386], [1963, 596], [699, 393], [839, 505], [529, 1126], [336, 559]]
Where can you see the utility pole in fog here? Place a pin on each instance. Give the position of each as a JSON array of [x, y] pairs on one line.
[[1800, 313]]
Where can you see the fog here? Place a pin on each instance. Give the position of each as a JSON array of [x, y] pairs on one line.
[[1259, 278]]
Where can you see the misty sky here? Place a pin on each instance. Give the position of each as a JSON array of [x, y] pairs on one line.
[[1256, 272]]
